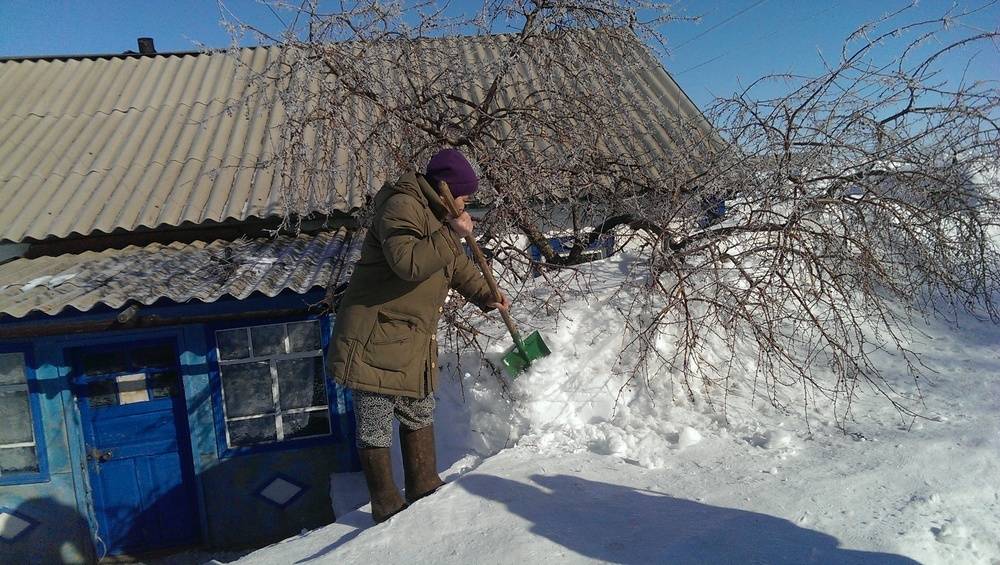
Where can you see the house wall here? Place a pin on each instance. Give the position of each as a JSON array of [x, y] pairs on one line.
[[232, 513], [237, 515], [240, 518], [61, 532]]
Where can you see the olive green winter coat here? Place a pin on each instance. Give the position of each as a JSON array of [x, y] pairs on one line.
[[385, 333]]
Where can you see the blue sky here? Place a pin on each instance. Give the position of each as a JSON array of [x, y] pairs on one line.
[[735, 41]]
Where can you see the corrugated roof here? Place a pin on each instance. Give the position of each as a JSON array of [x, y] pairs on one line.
[[120, 143], [97, 145], [179, 272]]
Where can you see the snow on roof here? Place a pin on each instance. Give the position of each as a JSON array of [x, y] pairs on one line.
[[180, 272]]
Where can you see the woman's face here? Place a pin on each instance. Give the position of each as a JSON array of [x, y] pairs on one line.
[[460, 202]]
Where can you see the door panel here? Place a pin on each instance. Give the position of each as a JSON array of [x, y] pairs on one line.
[[139, 461]]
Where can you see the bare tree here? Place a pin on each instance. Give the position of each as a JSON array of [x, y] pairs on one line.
[[851, 201], [853, 209]]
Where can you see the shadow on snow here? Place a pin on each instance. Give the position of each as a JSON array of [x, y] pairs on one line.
[[620, 524]]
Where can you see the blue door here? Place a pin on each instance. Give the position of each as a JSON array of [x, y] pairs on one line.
[[138, 452]]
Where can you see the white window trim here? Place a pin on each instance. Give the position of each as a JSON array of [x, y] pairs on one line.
[[272, 360], [272, 414], [16, 445]]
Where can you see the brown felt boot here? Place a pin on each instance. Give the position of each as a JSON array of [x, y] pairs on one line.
[[385, 497], [419, 462]]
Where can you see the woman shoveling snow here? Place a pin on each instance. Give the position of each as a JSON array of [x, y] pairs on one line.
[[384, 344]]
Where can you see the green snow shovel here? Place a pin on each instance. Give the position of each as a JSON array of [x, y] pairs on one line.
[[520, 356]]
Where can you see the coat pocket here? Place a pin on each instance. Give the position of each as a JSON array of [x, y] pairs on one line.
[[392, 344], [392, 327]]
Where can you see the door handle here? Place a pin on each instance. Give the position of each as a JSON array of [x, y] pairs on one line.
[[95, 454]]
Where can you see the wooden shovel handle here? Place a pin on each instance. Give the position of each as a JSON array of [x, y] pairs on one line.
[[484, 266]]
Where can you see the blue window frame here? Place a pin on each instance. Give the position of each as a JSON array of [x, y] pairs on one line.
[[270, 388], [22, 440]]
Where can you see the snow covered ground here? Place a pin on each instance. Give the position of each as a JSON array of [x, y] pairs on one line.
[[567, 474]]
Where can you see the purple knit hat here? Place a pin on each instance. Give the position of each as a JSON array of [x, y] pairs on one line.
[[453, 168]]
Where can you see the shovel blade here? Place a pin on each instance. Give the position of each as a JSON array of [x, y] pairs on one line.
[[514, 362]]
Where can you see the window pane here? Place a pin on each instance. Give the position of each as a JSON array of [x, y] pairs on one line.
[[306, 424], [267, 340], [247, 389], [255, 430], [304, 336], [164, 385], [233, 344], [301, 383], [103, 362], [155, 356], [15, 417], [132, 388], [102, 394], [18, 460], [12, 369]]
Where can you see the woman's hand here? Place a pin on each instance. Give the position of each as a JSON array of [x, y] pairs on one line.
[[503, 305], [462, 225]]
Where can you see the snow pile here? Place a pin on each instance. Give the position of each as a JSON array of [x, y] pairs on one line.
[[50, 281], [579, 399]]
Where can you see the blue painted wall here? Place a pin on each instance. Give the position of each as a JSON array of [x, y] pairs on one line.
[[55, 500], [231, 513]]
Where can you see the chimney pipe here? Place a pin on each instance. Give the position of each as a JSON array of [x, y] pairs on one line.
[[146, 46]]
